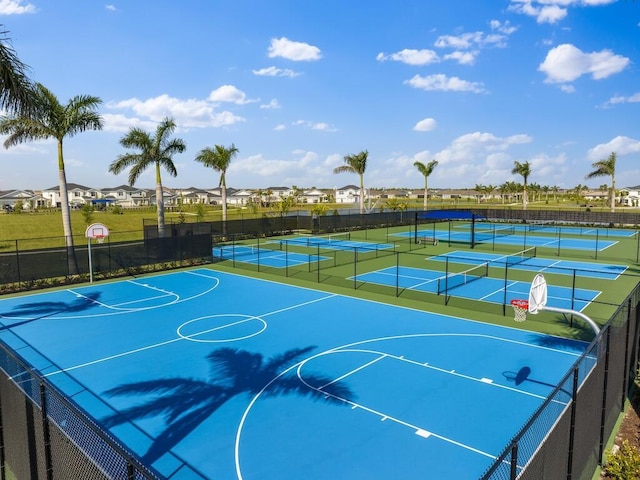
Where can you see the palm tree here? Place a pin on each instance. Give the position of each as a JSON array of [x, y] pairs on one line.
[[356, 163], [523, 169], [50, 119], [219, 158], [17, 93], [606, 167], [187, 402], [156, 150], [425, 170]]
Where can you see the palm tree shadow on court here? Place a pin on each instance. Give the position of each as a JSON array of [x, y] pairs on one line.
[[42, 310], [186, 402]]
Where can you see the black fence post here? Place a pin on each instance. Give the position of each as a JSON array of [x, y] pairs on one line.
[[397, 274], [45, 432], [605, 381], [3, 475], [506, 282], [572, 424], [513, 474]]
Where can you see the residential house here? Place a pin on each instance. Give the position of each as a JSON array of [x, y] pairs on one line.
[[348, 194], [313, 195], [169, 197], [78, 195], [27, 198], [630, 196], [127, 196], [192, 196]]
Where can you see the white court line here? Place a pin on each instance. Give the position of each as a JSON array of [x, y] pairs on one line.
[[446, 371], [502, 289], [355, 370], [167, 342], [297, 366]]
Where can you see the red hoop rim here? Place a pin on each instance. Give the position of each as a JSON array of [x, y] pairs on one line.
[[520, 303]]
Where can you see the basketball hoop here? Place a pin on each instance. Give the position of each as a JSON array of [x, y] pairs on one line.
[[520, 308], [98, 232]]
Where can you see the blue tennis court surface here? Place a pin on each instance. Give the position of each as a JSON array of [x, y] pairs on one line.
[[538, 264], [485, 289], [264, 256], [205, 374], [335, 243], [551, 229], [530, 240]]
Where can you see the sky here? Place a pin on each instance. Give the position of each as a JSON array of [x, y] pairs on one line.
[[298, 85]]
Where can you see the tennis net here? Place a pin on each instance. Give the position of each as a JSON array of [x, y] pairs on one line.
[[518, 257], [494, 232], [313, 240], [453, 280], [228, 252]]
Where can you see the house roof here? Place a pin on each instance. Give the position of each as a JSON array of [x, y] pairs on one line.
[[70, 186]]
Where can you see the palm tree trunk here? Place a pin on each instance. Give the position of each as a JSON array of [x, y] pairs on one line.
[[72, 261], [361, 194], [223, 191], [613, 194], [524, 198], [159, 202], [425, 194]]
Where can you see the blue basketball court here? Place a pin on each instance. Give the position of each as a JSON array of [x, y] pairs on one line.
[[205, 374]]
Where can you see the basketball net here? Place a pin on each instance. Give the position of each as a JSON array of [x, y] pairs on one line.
[[520, 307], [99, 238]]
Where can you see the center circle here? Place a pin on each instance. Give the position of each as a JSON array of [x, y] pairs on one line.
[[225, 327]]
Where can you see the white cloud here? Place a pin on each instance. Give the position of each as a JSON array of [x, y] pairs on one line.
[[275, 72], [122, 123], [229, 93], [635, 98], [279, 128], [305, 169], [325, 127], [425, 125], [411, 57], [551, 11], [296, 51], [16, 7], [566, 63], [463, 58], [111, 8], [472, 39], [441, 82], [505, 27], [568, 88], [465, 147], [620, 144], [189, 113], [271, 105]]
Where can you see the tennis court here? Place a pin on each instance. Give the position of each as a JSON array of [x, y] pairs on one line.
[[474, 284], [202, 380], [536, 264], [261, 255], [509, 236], [553, 229]]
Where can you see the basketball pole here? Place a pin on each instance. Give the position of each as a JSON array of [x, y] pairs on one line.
[[591, 323], [538, 302], [90, 262]]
